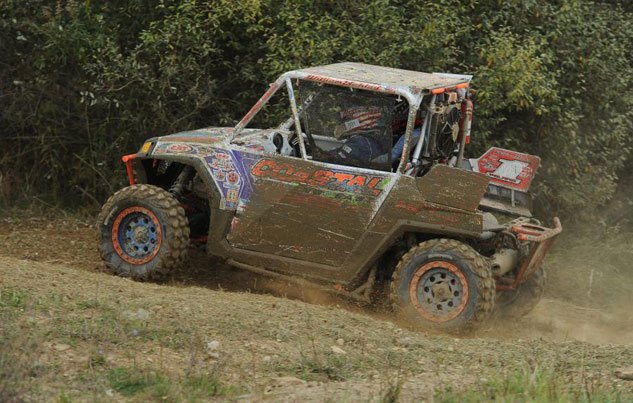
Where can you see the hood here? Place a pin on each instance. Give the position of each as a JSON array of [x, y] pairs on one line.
[[203, 140], [206, 135]]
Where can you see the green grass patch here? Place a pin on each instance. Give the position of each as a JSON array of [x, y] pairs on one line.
[[200, 386], [18, 359], [89, 304], [145, 383], [323, 367], [534, 386], [391, 393], [104, 328], [12, 298], [101, 322], [130, 382]]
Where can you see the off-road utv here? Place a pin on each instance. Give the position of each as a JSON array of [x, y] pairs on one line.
[[363, 183]]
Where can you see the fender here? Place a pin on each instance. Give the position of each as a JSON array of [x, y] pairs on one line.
[[221, 168], [141, 166], [375, 245]]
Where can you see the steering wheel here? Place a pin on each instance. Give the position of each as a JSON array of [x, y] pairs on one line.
[[294, 142]]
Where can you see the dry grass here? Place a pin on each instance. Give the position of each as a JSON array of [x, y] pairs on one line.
[[71, 332], [534, 385], [18, 351], [88, 335]]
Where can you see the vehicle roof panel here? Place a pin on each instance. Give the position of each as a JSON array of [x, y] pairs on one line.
[[413, 81]]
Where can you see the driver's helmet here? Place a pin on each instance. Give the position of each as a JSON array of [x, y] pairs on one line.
[[359, 119]]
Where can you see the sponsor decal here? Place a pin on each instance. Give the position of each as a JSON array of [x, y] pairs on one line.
[[219, 175], [182, 148], [232, 196], [232, 179], [345, 181], [224, 167], [226, 176], [348, 83], [509, 169], [220, 161]]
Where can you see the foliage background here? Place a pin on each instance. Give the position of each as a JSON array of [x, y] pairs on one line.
[[84, 82]]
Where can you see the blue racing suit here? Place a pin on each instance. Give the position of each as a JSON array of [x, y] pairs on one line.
[[396, 151]]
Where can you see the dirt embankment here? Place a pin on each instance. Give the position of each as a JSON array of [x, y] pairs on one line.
[[91, 331]]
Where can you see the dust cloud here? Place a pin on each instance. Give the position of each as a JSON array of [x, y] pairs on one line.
[[589, 288]]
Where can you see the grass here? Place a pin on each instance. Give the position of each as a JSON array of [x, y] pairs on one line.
[[18, 351], [318, 365], [130, 382], [107, 322], [327, 367], [392, 392], [58, 328], [538, 385], [98, 336], [12, 298], [140, 382]]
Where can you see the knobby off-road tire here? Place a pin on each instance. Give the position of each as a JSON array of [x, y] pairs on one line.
[[443, 284], [520, 302], [143, 232]]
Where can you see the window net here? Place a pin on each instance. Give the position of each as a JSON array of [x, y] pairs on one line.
[[347, 126]]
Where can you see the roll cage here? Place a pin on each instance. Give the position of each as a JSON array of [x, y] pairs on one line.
[[410, 85]]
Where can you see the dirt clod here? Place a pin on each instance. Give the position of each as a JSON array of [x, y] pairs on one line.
[[625, 373], [338, 350]]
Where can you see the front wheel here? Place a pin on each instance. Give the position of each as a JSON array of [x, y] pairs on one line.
[[443, 284], [143, 232]]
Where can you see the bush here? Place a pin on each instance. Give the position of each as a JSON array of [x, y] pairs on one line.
[[85, 82]]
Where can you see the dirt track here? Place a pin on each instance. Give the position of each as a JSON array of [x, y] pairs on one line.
[[274, 348]]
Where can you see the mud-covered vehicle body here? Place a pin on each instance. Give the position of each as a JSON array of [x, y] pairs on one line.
[[363, 184]]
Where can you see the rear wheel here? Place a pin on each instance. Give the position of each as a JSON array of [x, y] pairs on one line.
[[518, 303], [443, 284], [143, 232]]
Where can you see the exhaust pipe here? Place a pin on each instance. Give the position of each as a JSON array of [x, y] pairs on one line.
[[504, 261]]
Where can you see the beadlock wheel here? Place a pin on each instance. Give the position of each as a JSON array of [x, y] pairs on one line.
[[439, 291], [443, 284], [136, 235], [143, 232]]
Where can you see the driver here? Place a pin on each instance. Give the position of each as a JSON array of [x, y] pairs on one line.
[[362, 129]]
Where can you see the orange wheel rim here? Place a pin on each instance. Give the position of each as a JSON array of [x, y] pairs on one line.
[[136, 235], [439, 291]]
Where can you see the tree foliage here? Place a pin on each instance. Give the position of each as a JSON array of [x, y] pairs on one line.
[[83, 82]]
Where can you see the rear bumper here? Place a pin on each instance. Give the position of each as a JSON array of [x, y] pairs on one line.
[[543, 238]]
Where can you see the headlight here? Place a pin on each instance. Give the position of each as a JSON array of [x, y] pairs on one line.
[[145, 148]]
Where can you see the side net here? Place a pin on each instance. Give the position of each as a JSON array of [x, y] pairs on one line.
[[347, 126]]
